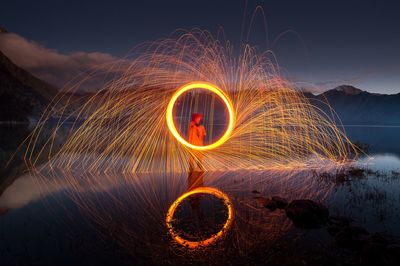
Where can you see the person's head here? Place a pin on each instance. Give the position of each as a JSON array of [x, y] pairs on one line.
[[196, 118]]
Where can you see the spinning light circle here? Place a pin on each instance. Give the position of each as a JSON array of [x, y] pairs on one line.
[[219, 93], [205, 190]]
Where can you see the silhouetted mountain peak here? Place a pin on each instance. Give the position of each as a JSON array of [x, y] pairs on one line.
[[358, 107], [347, 89]]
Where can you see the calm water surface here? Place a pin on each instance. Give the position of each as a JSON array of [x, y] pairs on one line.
[[55, 218]]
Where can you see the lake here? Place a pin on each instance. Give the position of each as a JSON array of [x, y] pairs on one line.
[[78, 218]]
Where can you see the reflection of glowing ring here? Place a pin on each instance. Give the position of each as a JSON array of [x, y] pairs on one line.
[[206, 86], [206, 190]]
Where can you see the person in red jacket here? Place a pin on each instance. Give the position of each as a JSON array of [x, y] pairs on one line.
[[196, 134]]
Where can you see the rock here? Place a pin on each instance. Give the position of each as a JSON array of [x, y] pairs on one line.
[[281, 203], [307, 214], [261, 200], [372, 254], [267, 203], [382, 239], [356, 230], [346, 241], [272, 203], [340, 220], [255, 192], [336, 224], [352, 237], [391, 255], [356, 172], [333, 229]]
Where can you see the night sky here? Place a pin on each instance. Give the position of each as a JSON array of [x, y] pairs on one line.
[[328, 42]]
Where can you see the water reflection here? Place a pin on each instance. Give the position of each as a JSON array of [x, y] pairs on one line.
[[130, 210], [380, 139], [195, 179], [197, 192]]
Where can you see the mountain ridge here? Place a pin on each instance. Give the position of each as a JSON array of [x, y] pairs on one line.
[[355, 106]]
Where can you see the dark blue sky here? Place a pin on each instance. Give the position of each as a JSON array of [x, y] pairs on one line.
[[352, 42]]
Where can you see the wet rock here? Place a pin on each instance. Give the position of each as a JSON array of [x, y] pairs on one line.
[[346, 241], [336, 224], [281, 203], [333, 229], [340, 177], [372, 253], [382, 239], [342, 220], [356, 230], [261, 200], [267, 203], [352, 238], [272, 203], [395, 174], [381, 249], [391, 255], [356, 172], [307, 214]]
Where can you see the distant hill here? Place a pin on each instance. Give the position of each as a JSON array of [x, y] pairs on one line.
[[355, 106], [22, 95]]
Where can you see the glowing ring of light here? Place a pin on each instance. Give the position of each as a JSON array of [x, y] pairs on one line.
[[205, 190], [219, 93]]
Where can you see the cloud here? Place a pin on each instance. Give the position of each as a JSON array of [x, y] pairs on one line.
[[48, 64]]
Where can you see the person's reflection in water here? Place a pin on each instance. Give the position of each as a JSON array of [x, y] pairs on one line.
[[195, 180]]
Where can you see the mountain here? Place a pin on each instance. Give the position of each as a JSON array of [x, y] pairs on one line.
[[355, 106], [22, 95]]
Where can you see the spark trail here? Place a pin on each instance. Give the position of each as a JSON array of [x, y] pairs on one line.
[[123, 126]]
